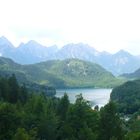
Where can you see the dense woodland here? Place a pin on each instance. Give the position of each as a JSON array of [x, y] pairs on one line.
[[127, 97], [30, 116]]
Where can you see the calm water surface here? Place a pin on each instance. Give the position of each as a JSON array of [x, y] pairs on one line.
[[98, 97]]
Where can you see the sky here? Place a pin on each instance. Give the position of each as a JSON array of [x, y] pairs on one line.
[[106, 25]]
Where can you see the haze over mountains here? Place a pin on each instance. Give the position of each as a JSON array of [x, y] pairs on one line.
[[33, 52], [133, 75]]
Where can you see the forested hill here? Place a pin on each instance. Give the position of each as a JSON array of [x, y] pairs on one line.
[[127, 96], [9, 68], [66, 73]]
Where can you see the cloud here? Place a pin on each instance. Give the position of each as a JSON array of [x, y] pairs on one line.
[[106, 25], [35, 32]]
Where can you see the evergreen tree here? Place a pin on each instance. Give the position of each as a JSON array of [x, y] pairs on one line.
[[110, 123], [14, 89], [63, 107], [4, 89], [82, 121], [21, 134], [23, 95], [47, 126], [9, 121]]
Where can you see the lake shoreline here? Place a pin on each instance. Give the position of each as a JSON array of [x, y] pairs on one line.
[[98, 96], [83, 88]]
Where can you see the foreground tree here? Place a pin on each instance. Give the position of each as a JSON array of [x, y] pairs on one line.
[[21, 134], [81, 121], [14, 89], [110, 123], [63, 106], [9, 121]]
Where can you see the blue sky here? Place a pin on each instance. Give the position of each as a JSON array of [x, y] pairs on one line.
[[107, 25]]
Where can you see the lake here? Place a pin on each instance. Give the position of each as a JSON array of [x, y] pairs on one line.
[[98, 97]]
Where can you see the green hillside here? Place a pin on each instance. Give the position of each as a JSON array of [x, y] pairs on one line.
[[127, 96], [66, 73]]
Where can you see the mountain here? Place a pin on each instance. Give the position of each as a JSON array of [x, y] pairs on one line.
[[26, 53], [134, 75], [68, 73], [33, 52], [127, 96], [78, 73], [117, 63], [79, 51], [121, 62], [6, 47]]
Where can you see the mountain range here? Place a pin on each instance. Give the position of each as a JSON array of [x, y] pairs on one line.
[[70, 73], [33, 52]]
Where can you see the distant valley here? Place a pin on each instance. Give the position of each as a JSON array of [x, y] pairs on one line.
[[33, 52]]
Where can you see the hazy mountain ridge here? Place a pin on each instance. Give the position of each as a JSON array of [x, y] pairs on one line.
[[134, 75], [33, 52], [80, 51], [68, 73], [124, 62]]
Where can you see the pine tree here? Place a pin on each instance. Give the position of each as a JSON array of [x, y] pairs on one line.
[[21, 134], [63, 107], [14, 89], [110, 123]]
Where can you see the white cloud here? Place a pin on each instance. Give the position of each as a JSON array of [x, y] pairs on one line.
[[105, 24]]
